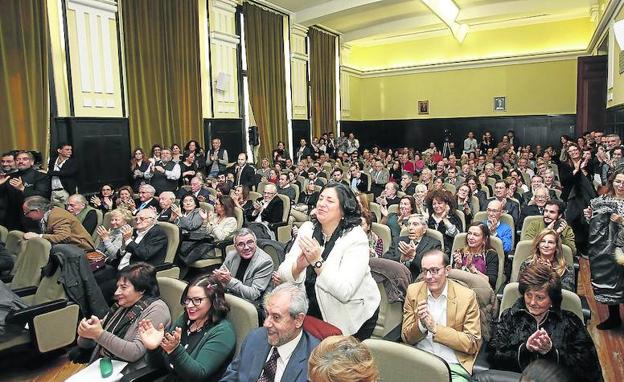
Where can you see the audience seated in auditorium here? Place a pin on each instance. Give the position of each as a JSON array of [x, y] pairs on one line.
[[553, 220], [77, 206]]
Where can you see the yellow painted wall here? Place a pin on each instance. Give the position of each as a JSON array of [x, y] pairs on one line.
[[537, 88], [618, 79], [486, 44]]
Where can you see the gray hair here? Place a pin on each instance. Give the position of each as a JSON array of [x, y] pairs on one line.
[[80, 198], [244, 232], [168, 194], [298, 299], [38, 203], [419, 218], [148, 187]]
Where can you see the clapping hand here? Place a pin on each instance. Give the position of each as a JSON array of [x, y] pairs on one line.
[[408, 250], [102, 232], [171, 340], [17, 183], [587, 212], [126, 232], [223, 275], [539, 342], [150, 336], [425, 318], [96, 201], [91, 328], [617, 218]]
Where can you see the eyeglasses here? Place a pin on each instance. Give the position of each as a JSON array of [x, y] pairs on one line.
[[432, 271], [243, 244], [195, 300]]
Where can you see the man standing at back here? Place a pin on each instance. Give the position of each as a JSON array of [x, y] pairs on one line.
[[217, 159], [245, 174], [63, 170], [441, 317], [279, 351]]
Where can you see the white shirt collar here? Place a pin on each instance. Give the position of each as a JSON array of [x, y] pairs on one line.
[[444, 291], [286, 350]]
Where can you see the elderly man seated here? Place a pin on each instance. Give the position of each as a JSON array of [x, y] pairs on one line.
[[410, 249], [268, 208], [165, 201], [246, 272], [147, 242], [77, 205], [498, 228]]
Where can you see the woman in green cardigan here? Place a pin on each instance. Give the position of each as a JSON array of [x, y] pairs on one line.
[[199, 344]]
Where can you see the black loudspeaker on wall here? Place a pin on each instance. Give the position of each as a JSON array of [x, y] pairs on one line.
[[253, 136]]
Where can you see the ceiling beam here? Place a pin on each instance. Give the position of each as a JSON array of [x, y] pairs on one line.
[[465, 16], [316, 14]]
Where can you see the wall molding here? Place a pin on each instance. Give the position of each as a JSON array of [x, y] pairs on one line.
[[468, 64], [226, 38]]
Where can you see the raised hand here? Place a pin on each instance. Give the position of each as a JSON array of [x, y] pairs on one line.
[[170, 341], [150, 336]]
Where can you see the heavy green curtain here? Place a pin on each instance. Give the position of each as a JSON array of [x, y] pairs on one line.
[[322, 81], [24, 87], [266, 72], [163, 71]]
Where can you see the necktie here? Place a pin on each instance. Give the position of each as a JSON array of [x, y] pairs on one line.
[[270, 367]]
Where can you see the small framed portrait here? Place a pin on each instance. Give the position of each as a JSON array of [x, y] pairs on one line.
[[423, 107], [500, 103]]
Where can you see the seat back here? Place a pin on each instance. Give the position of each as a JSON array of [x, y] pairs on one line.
[[100, 219], [297, 191], [475, 205], [28, 265], [525, 224], [240, 219], [243, 316], [523, 252], [390, 315], [383, 231], [376, 209], [206, 207], [486, 190], [49, 289], [260, 188], [286, 211], [393, 209], [3, 233], [253, 195], [436, 235], [570, 300], [462, 218], [173, 240], [460, 241], [450, 188], [392, 359], [171, 292], [15, 242]]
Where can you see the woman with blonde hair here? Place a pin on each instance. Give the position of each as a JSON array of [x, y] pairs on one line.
[[342, 359], [547, 249]]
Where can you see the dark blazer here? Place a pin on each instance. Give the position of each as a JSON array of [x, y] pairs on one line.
[[35, 183], [272, 213], [247, 176], [426, 244], [248, 364], [67, 174], [309, 199], [528, 210], [511, 207], [152, 248], [182, 192], [164, 215], [362, 186], [152, 203]]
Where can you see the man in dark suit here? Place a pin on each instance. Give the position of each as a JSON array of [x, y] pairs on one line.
[[146, 199], [26, 179], [147, 242], [245, 173], [63, 170], [278, 351], [196, 190], [410, 249], [269, 208], [359, 180], [407, 184]]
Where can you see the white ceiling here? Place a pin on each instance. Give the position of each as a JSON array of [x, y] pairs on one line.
[[369, 22]]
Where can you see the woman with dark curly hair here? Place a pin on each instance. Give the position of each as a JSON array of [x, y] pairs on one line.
[[441, 205], [536, 327], [199, 155], [330, 257], [199, 343]]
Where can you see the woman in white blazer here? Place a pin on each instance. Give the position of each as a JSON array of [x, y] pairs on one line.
[[330, 259]]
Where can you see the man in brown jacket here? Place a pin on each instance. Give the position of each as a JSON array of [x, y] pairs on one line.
[[57, 225], [441, 317]]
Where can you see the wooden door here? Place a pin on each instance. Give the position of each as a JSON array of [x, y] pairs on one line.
[[591, 94]]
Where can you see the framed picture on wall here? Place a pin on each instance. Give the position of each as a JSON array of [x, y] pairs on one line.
[[500, 103], [423, 107]]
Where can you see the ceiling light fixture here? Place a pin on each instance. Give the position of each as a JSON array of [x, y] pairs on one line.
[[448, 12]]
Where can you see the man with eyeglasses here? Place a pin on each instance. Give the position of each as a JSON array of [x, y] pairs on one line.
[[246, 272], [441, 317], [57, 225], [147, 242], [267, 209], [553, 219], [535, 206], [280, 349], [537, 182], [498, 228], [146, 199], [510, 206]]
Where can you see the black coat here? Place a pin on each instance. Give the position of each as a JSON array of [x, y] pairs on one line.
[[152, 248], [247, 176], [572, 348], [77, 279], [426, 244], [35, 183], [67, 174], [272, 213]]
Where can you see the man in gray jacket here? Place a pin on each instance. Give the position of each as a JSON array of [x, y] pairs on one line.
[[247, 271]]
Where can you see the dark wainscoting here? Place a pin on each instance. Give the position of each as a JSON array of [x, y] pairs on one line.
[[615, 120], [230, 131], [300, 129], [101, 146], [534, 129]]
